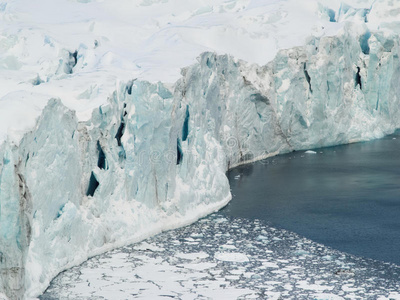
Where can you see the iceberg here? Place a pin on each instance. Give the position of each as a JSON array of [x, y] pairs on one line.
[[154, 157]]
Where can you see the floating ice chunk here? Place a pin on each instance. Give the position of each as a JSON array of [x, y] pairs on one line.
[[221, 220], [301, 252], [270, 265], [316, 287], [392, 296], [227, 247], [231, 256], [310, 152], [327, 297], [199, 267], [192, 256], [148, 247], [349, 288]]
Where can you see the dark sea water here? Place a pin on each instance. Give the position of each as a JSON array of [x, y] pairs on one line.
[[346, 197]]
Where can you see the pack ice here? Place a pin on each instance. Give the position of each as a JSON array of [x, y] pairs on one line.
[[154, 156]]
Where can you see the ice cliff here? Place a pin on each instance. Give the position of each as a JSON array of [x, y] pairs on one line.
[[154, 157]]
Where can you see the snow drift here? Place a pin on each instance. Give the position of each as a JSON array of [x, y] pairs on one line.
[[154, 158]]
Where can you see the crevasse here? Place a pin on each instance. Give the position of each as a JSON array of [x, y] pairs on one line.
[[154, 158]]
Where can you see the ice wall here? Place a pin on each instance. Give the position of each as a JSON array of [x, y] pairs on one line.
[[155, 158]]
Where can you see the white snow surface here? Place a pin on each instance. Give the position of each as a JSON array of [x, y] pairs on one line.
[[117, 41], [113, 160]]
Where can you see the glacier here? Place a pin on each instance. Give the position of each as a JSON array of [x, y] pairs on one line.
[[154, 156]]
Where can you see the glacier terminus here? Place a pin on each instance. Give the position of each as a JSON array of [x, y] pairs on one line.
[[99, 150]]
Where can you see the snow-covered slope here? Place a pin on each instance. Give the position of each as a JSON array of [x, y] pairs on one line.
[[153, 156], [79, 50]]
